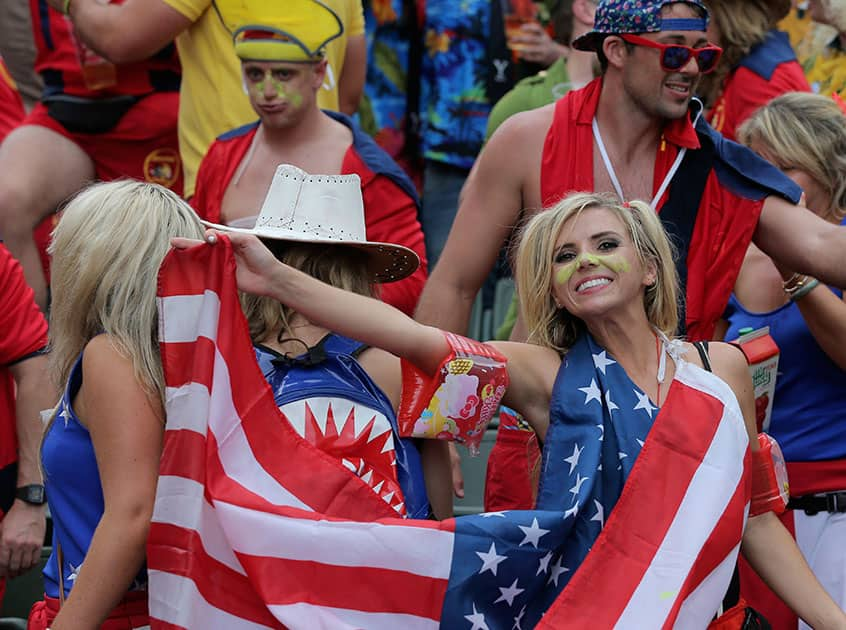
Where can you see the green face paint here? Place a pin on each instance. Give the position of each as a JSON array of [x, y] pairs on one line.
[[614, 262], [280, 89]]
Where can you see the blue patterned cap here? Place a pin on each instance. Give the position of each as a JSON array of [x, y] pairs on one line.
[[637, 16]]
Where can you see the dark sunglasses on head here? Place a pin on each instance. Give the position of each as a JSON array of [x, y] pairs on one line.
[[674, 57]]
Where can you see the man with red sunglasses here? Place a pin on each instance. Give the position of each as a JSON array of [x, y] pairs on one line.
[[636, 131]]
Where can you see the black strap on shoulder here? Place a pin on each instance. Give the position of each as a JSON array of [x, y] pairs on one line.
[[679, 214], [702, 349]]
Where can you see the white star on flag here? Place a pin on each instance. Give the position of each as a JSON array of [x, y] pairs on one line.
[[572, 511], [639, 442], [600, 514], [644, 403], [592, 392], [578, 487], [508, 594], [611, 405], [601, 428], [601, 361], [621, 455], [518, 619], [533, 534], [490, 560], [543, 563], [573, 460], [477, 619], [557, 570], [65, 415], [74, 572], [490, 514]]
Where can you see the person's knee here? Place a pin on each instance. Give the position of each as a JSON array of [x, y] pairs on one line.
[[20, 210]]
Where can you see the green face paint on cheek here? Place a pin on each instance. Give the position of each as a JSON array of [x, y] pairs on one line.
[[293, 97], [563, 275], [613, 262], [282, 91], [610, 261]]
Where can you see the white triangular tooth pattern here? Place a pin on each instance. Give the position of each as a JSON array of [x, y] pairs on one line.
[[389, 443], [295, 414], [320, 410], [387, 497], [348, 464], [367, 477], [400, 507], [341, 409], [380, 426], [378, 486], [363, 416]]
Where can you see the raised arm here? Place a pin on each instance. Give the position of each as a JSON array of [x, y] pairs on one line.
[[368, 320], [798, 239], [122, 33], [489, 210], [767, 545]]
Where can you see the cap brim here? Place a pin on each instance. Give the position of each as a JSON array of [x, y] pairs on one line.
[[388, 262], [589, 42]]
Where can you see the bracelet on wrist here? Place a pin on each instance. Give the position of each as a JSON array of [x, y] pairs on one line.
[[807, 286], [794, 283]]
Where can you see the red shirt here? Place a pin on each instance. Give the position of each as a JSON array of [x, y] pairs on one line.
[[60, 62], [770, 70], [11, 106], [728, 213], [23, 331], [390, 204]]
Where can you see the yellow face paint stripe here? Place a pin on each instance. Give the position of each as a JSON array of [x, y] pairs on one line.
[[610, 261]]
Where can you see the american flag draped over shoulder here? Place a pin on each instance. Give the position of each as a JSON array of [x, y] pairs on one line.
[[254, 527], [659, 500]]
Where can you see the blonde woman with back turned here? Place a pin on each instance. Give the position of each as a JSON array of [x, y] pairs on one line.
[[101, 449]]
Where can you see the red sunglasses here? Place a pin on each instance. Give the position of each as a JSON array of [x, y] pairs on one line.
[[674, 57]]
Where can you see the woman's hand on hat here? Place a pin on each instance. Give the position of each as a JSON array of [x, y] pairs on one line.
[[256, 266]]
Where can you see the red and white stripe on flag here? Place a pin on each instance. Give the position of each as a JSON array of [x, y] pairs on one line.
[[253, 526], [668, 550]]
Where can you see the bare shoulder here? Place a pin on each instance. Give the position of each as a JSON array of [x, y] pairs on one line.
[[109, 383], [384, 368], [727, 361], [531, 125], [102, 354]]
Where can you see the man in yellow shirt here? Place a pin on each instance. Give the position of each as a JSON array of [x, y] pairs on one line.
[[212, 100]]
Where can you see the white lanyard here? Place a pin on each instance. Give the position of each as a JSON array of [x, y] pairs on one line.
[[613, 175]]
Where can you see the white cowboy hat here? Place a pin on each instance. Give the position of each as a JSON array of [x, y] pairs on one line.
[[328, 209]]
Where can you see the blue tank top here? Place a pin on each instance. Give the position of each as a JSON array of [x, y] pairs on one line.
[[809, 417], [74, 492], [332, 402]]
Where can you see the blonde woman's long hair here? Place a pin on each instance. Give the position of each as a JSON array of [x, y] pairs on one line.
[[554, 327], [806, 132], [107, 249], [339, 266]]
